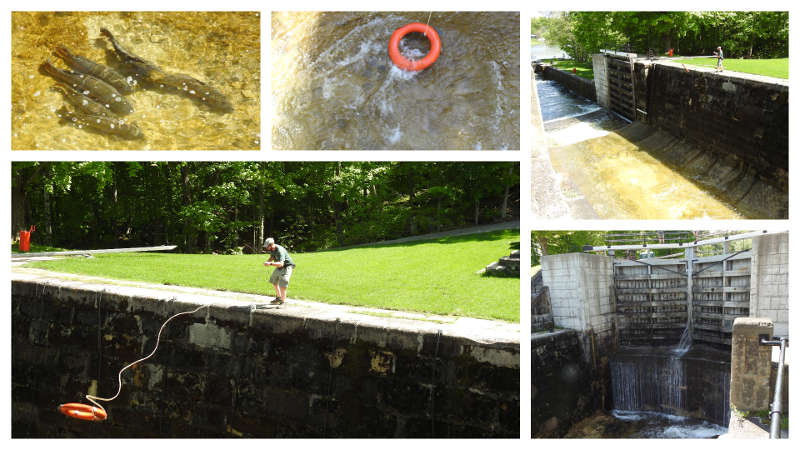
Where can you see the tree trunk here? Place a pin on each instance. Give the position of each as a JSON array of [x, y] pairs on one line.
[[261, 218], [186, 191], [506, 193], [337, 208], [542, 245], [477, 210], [19, 202], [47, 218]]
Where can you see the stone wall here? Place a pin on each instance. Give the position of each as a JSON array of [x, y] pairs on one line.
[[565, 387], [580, 86], [581, 297], [733, 116], [769, 285], [230, 371]]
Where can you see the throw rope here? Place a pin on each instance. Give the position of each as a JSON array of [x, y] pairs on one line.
[[426, 24], [97, 412]]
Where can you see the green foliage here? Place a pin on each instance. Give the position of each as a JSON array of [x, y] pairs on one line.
[[221, 206], [760, 34], [558, 242], [437, 276]]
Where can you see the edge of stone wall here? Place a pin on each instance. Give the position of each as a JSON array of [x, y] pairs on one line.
[[587, 85], [418, 336]]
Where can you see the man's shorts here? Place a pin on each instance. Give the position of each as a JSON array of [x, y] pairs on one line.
[[281, 275]]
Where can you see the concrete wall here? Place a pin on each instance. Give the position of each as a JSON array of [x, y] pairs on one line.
[[581, 86], [565, 388], [581, 293], [231, 371], [600, 68], [769, 285]]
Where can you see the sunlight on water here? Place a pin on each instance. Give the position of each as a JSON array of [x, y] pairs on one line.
[[335, 87], [220, 49], [605, 175], [621, 180]]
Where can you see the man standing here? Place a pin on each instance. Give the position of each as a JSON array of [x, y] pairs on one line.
[[280, 259], [719, 56]]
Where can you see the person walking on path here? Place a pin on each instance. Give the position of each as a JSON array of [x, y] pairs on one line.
[[280, 259], [719, 56]]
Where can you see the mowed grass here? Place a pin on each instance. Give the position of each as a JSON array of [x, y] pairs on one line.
[[778, 67], [582, 69], [435, 276], [35, 248]]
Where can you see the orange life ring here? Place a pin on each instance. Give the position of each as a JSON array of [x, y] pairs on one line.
[[419, 64], [83, 411]]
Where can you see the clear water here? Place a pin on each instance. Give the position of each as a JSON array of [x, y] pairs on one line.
[[221, 49], [607, 175], [334, 86]]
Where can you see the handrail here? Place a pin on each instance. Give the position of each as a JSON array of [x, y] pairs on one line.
[[777, 400]]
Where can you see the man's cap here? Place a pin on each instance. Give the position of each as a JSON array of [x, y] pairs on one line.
[[268, 242]]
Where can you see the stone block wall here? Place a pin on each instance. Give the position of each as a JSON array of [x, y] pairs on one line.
[[769, 280], [580, 287], [565, 389], [230, 371], [750, 364], [580, 86], [729, 115]]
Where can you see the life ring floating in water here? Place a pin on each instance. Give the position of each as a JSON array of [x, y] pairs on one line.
[[419, 64], [83, 411]]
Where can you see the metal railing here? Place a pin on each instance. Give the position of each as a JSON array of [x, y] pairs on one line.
[[777, 400]]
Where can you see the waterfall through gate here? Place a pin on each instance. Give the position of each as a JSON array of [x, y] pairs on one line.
[[674, 318], [695, 384]]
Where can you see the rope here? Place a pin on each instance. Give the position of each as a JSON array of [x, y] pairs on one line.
[[95, 399], [426, 24]]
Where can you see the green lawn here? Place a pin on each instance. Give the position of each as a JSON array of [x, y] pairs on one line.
[[35, 248], [435, 276], [582, 69], [778, 68]]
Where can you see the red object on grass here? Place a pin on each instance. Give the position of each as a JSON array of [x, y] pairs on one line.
[[25, 239]]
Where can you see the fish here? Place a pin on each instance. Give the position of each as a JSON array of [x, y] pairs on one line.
[[138, 65], [95, 88], [202, 92], [184, 84], [97, 70], [81, 102], [105, 124]]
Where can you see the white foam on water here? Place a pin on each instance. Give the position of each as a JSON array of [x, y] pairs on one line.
[[662, 425], [396, 73], [395, 136], [576, 133], [363, 50]]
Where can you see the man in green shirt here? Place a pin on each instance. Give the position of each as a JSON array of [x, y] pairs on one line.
[[280, 259]]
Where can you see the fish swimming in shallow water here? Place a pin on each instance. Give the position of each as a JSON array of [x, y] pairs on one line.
[[103, 72], [105, 124], [82, 103], [94, 88], [138, 65], [184, 84]]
